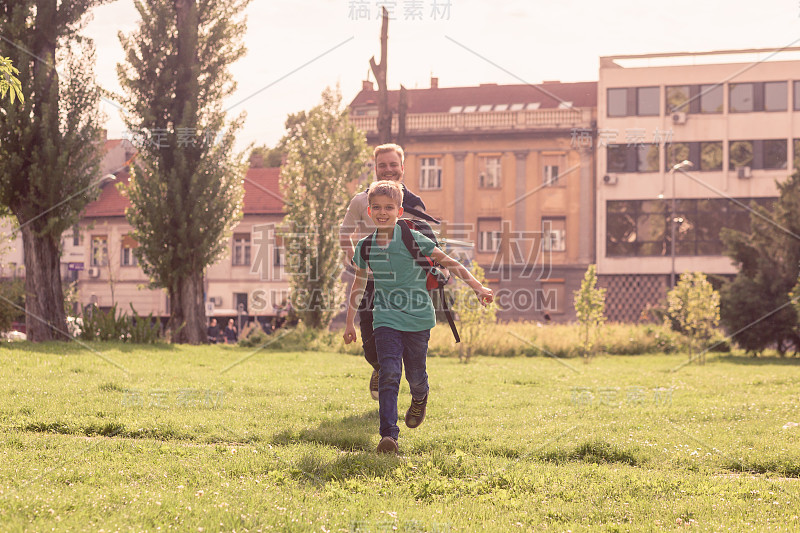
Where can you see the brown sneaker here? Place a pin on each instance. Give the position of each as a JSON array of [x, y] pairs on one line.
[[373, 385], [387, 445], [416, 413]]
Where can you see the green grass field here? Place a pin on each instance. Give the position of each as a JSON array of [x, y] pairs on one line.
[[221, 438]]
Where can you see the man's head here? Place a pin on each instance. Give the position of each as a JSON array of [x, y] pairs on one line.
[[389, 160], [385, 203], [213, 322]]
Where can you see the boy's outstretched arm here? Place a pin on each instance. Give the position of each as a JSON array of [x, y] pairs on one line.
[[356, 294], [484, 294]]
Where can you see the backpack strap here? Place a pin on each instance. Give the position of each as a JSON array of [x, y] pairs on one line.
[[366, 247], [426, 265]]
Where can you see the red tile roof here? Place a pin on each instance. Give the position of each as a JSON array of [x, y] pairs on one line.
[[261, 191], [261, 195], [112, 143], [440, 100]]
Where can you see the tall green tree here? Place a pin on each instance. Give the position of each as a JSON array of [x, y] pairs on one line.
[[185, 191], [590, 305], [9, 83], [49, 143], [755, 306], [693, 305], [472, 316], [324, 153]]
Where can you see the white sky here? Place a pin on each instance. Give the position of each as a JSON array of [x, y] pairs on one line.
[[482, 41]]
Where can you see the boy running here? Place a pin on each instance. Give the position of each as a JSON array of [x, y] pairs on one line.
[[403, 312]]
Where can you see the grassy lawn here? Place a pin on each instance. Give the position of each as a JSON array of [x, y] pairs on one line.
[[221, 438]]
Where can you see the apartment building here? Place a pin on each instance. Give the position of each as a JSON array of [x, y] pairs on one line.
[[500, 166], [734, 115]]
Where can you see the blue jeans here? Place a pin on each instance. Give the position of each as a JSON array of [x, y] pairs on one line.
[[396, 348]]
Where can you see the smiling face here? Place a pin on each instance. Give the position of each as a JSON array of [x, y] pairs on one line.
[[384, 211], [389, 166]]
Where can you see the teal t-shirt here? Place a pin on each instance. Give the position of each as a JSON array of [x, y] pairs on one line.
[[401, 300]]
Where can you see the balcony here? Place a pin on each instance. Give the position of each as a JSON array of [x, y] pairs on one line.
[[492, 121]]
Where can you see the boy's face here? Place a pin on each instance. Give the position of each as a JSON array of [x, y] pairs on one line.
[[384, 211], [388, 166]]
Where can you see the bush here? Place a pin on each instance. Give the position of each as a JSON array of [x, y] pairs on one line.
[[14, 291], [97, 325]]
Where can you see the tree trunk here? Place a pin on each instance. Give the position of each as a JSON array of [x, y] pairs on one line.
[[187, 319], [380, 72], [44, 299]]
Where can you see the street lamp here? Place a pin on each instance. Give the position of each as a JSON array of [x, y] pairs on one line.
[[682, 166]]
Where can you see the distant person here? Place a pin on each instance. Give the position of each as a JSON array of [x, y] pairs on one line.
[[231, 337], [213, 331]]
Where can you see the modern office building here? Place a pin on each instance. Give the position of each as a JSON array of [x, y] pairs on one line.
[[733, 114]]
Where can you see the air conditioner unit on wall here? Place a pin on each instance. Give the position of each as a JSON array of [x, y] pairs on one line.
[[744, 173], [679, 117], [216, 300], [94, 272], [610, 179]]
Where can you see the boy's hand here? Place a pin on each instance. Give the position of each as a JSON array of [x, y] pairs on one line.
[[485, 295], [349, 334]]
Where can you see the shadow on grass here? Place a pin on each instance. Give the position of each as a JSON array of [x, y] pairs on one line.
[[749, 360], [597, 451], [352, 433], [65, 347], [349, 465]]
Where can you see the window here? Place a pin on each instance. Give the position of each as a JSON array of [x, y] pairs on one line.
[[775, 96], [632, 158], [76, 235], [767, 154], [241, 249], [647, 101], [430, 173], [126, 256], [489, 172], [741, 98], [694, 98], [711, 98], [796, 96], [629, 101], [678, 98], [710, 156], [240, 301], [797, 154], [760, 96], [550, 175], [99, 250], [707, 156], [642, 227], [617, 102], [554, 234], [489, 234]]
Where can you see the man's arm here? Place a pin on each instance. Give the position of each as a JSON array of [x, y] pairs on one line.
[[484, 294], [346, 230], [356, 294]]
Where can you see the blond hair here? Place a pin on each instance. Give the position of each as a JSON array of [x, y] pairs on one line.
[[389, 188], [390, 147]]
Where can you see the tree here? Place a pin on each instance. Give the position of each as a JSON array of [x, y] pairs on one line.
[[49, 143], [9, 83], [472, 316], [324, 153], [590, 304], [265, 157], [693, 305], [755, 306], [185, 190]]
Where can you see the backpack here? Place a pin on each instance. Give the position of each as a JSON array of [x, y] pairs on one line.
[[435, 278]]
